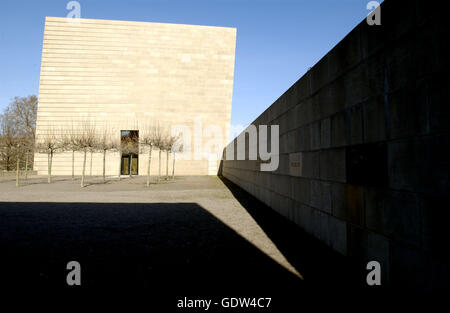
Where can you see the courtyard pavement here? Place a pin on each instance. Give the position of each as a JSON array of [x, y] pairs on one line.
[[192, 236]]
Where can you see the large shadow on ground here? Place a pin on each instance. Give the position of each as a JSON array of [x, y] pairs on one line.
[[321, 267], [170, 249]]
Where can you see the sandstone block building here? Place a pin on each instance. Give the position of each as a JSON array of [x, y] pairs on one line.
[[122, 75]]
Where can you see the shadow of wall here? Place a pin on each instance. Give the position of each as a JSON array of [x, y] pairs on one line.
[[167, 249]]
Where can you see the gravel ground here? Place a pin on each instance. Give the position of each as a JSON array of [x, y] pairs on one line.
[[191, 235]]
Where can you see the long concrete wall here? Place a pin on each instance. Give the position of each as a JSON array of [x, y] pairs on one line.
[[124, 75], [364, 140]]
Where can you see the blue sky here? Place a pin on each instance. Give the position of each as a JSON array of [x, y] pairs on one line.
[[277, 40]]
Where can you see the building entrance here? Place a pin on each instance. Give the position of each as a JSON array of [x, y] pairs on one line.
[[129, 143]]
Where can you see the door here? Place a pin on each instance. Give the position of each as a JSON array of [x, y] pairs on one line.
[[129, 144], [127, 160]]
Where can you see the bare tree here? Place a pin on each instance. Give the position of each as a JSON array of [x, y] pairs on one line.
[[24, 110], [119, 149], [28, 147], [175, 148], [147, 139], [68, 140], [105, 144], [85, 141], [2, 148], [8, 134], [160, 136], [22, 114], [18, 150], [49, 143], [17, 169], [91, 152], [168, 146]]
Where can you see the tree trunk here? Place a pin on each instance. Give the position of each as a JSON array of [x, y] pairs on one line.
[[104, 161], [173, 166], [90, 170], [84, 168], [167, 165], [49, 167], [17, 171], [73, 164], [120, 164], [149, 163], [26, 166], [159, 170], [130, 165]]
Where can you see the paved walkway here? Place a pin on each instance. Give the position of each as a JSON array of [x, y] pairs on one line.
[[196, 234]]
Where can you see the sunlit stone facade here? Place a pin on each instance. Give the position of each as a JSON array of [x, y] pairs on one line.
[[121, 75]]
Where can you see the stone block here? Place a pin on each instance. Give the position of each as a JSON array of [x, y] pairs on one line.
[[319, 74], [325, 133], [346, 54], [356, 243], [354, 125], [282, 120], [337, 234], [373, 39], [376, 215], [295, 111], [374, 115], [356, 87], [297, 146], [367, 164], [283, 166], [354, 204], [326, 197], [281, 185], [435, 216], [333, 164], [295, 164], [430, 273], [338, 205], [438, 97], [321, 230], [311, 164], [375, 75], [301, 88], [403, 217], [333, 98], [409, 164], [399, 58], [283, 144], [316, 194], [338, 130], [408, 111], [291, 137], [300, 189], [315, 135], [284, 206], [306, 218], [305, 138], [306, 111]]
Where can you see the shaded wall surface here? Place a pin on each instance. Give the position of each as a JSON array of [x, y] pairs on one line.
[[364, 147]]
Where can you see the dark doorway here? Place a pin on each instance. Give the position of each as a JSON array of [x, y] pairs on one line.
[[129, 141]]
